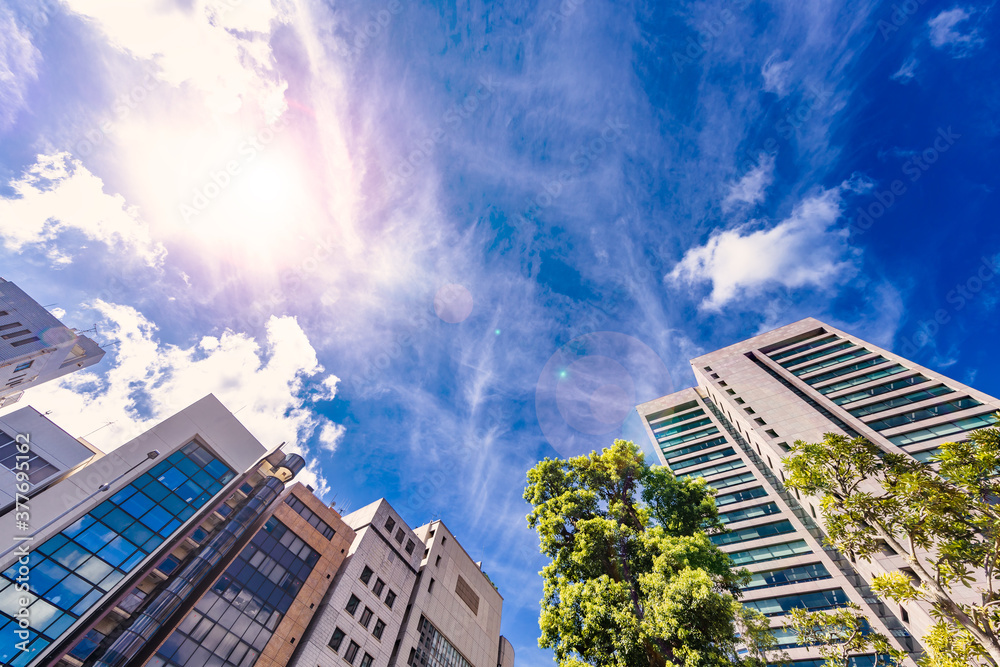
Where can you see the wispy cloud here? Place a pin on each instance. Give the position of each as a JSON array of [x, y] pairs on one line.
[[19, 60], [219, 47], [58, 194], [146, 381], [907, 71], [950, 31], [802, 250], [752, 188]]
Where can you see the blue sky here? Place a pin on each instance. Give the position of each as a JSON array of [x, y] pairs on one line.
[[434, 243]]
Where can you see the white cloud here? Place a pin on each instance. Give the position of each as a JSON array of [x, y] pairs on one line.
[[330, 436], [57, 194], [906, 71], [18, 66], [149, 381], [751, 188], [219, 47], [801, 250], [777, 75], [944, 34]]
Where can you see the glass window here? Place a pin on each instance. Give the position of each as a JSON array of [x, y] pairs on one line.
[[390, 598], [714, 470], [377, 588], [742, 478], [812, 601], [366, 575], [740, 496], [789, 575], [940, 430], [905, 399], [753, 532], [861, 379], [749, 513], [352, 651], [378, 629], [704, 458], [409, 546], [802, 348], [337, 639], [366, 618], [352, 604], [816, 355], [879, 389], [840, 358], [683, 427], [674, 453], [924, 413], [771, 552], [101, 552], [366, 661], [688, 437]]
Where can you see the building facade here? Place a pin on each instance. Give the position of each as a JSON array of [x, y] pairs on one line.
[[756, 398], [35, 347], [191, 545]]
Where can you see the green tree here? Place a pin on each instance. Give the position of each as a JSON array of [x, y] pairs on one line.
[[633, 579], [843, 634], [945, 522]]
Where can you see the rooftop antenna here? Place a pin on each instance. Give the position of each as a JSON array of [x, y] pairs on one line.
[[98, 429]]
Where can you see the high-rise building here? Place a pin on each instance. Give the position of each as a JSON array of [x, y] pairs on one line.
[[190, 546], [35, 347], [756, 398]]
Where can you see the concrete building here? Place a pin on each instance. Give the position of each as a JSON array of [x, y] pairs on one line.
[[50, 453], [189, 546], [757, 397], [406, 596], [35, 347]]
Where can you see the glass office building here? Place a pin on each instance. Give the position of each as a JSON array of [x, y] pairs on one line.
[[757, 397], [69, 572]]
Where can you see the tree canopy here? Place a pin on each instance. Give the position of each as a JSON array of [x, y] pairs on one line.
[[945, 522], [634, 580]]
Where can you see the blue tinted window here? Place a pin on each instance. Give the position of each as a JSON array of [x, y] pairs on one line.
[[78, 566]]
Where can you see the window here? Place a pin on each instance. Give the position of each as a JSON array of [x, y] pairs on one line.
[[300, 507], [19, 343], [366, 618], [731, 392], [399, 536], [23, 367], [812, 510], [390, 597], [15, 334], [352, 651], [366, 661], [443, 540], [352, 604], [753, 533], [12, 325], [337, 639], [714, 470], [722, 383], [815, 601], [708, 368], [430, 586], [366, 575], [427, 550], [770, 552], [924, 413], [715, 376], [793, 575], [861, 379], [771, 432], [749, 411], [410, 545], [749, 513], [437, 561], [704, 458], [37, 467], [390, 523], [379, 628], [947, 428], [377, 588], [760, 422], [674, 453]]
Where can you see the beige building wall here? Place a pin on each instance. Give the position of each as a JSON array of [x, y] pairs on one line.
[[765, 407]]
